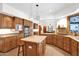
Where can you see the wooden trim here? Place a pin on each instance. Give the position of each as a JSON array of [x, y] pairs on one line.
[[68, 22]]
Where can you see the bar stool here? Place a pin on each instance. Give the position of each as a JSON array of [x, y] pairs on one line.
[[20, 45]]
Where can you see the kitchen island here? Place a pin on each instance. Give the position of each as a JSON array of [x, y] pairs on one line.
[[34, 45]]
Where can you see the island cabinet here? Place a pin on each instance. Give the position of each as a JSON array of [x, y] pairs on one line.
[[7, 43], [67, 44], [34, 45], [59, 41], [6, 21], [74, 49]]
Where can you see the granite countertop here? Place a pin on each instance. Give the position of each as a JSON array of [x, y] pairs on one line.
[[72, 37], [34, 38], [76, 38], [7, 35], [48, 33]]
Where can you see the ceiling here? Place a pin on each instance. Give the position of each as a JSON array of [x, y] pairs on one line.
[[44, 9]]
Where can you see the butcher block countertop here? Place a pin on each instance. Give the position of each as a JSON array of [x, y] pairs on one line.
[[34, 38]]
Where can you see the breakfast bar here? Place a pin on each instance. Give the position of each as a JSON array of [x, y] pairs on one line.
[[34, 45]]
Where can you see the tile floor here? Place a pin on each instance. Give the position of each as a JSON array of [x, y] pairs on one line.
[[50, 51]]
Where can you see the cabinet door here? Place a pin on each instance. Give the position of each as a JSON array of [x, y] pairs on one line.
[[1, 44], [60, 41], [49, 39], [17, 21], [67, 44], [7, 44], [74, 46], [13, 42], [78, 49], [1, 20], [20, 21], [10, 43], [54, 39], [7, 21]]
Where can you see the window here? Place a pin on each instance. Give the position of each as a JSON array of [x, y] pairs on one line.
[[74, 24]]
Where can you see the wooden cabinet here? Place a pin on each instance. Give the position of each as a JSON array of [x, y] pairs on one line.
[[78, 49], [35, 33], [67, 44], [1, 44], [34, 49], [6, 21], [59, 41], [49, 39], [54, 39], [74, 49], [30, 49], [7, 43], [18, 21], [27, 23], [1, 20]]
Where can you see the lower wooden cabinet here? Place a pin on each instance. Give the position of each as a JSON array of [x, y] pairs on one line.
[[67, 44], [74, 47], [49, 39], [59, 41], [54, 39], [7, 43], [78, 49], [1, 44]]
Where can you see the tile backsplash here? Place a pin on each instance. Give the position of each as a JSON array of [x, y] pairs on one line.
[[8, 31]]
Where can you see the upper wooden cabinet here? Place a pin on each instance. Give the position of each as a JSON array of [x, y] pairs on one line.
[[27, 23], [18, 21], [6, 21]]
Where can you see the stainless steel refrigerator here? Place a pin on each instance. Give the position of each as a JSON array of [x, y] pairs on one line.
[[26, 31]]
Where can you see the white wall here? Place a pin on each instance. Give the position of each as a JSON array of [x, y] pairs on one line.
[[68, 11], [12, 11], [62, 22], [0, 6], [46, 22]]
